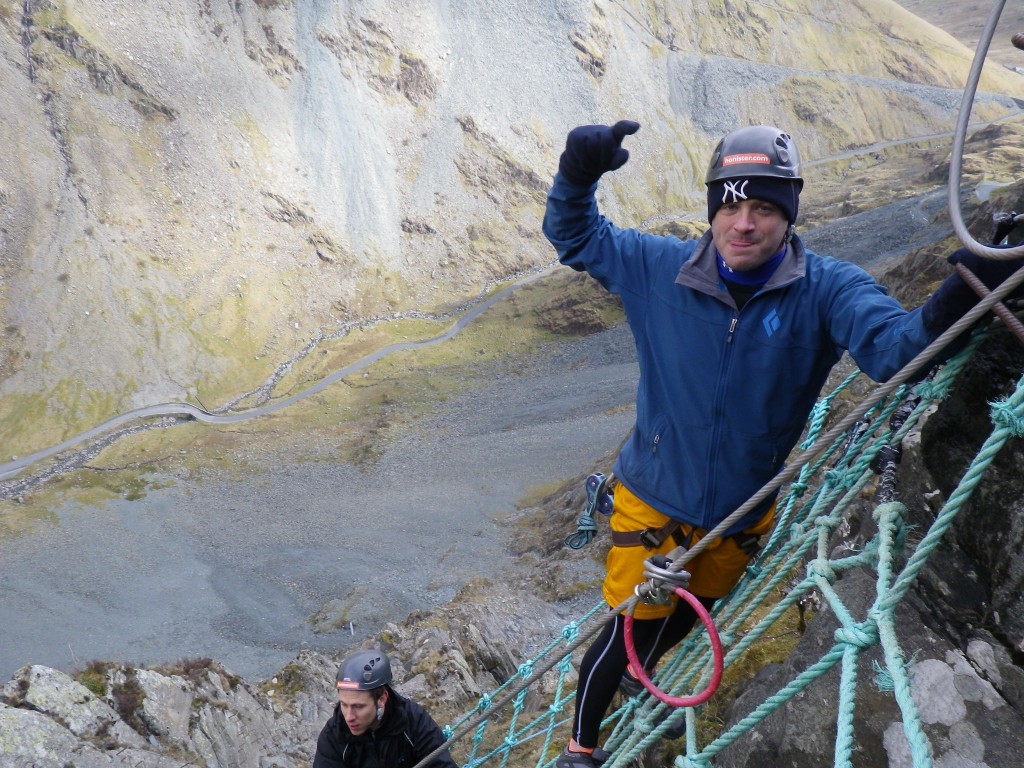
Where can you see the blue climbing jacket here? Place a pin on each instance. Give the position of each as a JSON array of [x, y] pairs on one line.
[[723, 395]]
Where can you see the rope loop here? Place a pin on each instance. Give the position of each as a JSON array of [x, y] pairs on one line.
[[586, 529], [1004, 417], [717, 654]]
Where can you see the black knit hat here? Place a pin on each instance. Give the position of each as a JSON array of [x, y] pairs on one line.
[[782, 193]]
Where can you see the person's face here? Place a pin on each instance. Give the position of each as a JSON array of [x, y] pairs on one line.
[[748, 233], [359, 709]]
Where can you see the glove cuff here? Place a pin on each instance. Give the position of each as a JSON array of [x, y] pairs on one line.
[[949, 303], [571, 172]]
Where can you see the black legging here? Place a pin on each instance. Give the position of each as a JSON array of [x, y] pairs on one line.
[[605, 661]]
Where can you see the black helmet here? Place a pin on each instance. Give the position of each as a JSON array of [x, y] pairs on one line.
[[364, 671], [755, 151]]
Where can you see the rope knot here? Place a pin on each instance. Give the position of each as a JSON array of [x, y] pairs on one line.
[[645, 724], [1003, 417], [570, 633], [863, 635], [929, 390], [525, 670], [837, 478], [820, 566]]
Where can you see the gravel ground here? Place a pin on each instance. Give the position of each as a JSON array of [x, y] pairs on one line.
[[234, 570]]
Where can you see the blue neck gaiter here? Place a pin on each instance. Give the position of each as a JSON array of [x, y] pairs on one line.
[[757, 276]]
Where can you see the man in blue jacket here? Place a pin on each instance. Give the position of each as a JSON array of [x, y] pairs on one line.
[[735, 336]]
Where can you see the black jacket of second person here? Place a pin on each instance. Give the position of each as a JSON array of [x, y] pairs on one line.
[[405, 736]]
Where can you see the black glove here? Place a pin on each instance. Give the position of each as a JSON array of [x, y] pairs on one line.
[[590, 150], [954, 298]]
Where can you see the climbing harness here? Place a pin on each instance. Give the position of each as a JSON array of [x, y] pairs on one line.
[[600, 498], [648, 538]]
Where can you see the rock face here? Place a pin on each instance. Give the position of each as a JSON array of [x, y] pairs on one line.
[[153, 718], [201, 712]]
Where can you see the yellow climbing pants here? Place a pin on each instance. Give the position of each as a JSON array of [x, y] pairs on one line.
[[713, 573]]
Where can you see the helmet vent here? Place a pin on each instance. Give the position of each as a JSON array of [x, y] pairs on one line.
[[368, 670]]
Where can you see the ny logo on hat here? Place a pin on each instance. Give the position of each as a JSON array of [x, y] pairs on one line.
[[735, 188]]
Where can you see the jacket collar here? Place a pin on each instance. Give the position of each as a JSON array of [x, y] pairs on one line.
[[700, 271]]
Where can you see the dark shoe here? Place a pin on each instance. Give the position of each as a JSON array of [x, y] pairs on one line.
[[629, 686], [581, 759], [676, 731]]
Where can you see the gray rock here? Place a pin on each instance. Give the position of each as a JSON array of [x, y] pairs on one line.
[[166, 706], [57, 695]]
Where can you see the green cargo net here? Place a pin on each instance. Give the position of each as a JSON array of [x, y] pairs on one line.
[[795, 564]]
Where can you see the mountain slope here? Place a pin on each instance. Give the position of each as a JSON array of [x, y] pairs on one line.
[[966, 20], [193, 192]]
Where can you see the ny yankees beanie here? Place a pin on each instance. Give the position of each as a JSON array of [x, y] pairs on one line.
[[782, 193]]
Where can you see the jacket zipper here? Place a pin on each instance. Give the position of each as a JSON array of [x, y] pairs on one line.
[[712, 491]]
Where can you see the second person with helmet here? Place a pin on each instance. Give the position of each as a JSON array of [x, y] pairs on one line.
[[735, 334], [372, 726]]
